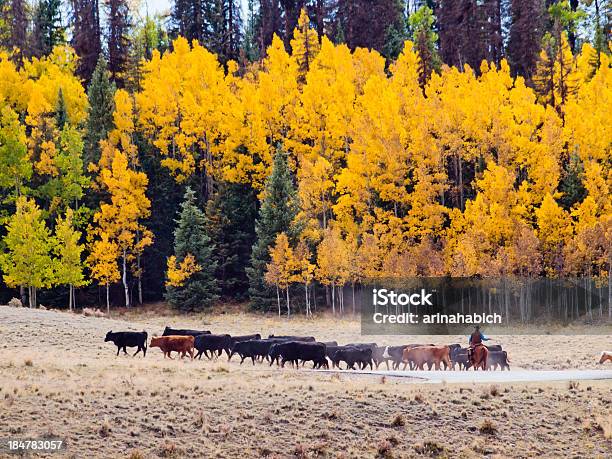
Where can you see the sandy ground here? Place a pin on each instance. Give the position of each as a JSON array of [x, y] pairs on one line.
[[58, 378]]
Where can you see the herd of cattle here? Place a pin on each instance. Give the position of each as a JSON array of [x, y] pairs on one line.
[[300, 349]]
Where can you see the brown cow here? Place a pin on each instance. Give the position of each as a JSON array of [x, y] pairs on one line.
[[419, 356], [174, 343], [605, 356]]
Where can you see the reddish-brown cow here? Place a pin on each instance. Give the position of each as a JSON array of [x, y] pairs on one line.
[[168, 344], [430, 355]]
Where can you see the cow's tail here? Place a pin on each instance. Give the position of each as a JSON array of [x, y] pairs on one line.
[[386, 353], [146, 339], [506, 355]]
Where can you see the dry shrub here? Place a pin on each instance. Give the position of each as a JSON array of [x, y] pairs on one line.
[[170, 450], [603, 424], [573, 385], [418, 397], [105, 429], [15, 303], [429, 448], [136, 454], [494, 390], [220, 369], [300, 451], [398, 421], [28, 363], [91, 312], [488, 427], [384, 450]]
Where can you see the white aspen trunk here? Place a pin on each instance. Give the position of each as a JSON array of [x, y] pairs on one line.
[[353, 298], [70, 297], [278, 301], [307, 299], [30, 298], [288, 306], [333, 291], [139, 280], [124, 280]]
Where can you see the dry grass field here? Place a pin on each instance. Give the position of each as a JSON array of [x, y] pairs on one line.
[[58, 378]]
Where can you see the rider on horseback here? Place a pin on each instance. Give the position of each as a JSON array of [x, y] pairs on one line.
[[476, 339]]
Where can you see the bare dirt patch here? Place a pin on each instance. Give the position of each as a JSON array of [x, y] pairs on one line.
[[58, 377]]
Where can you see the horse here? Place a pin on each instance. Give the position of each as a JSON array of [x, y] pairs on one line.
[[605, 356], [478, 357]]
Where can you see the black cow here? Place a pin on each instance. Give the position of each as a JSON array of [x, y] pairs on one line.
[[362, 345], [184, 332], [237, 339], [459, 356], [496, 358], [352, 355], [330, 343], [213, 344], [254, 348], [294, 351], [330, 352], [128, 339], [308, 339]]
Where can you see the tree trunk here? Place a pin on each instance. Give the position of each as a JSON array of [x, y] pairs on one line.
[[107, 301], [333, 295], [124, 280], [288, 306], [139, 280], [22, 295], [70, 289], [278, 301]]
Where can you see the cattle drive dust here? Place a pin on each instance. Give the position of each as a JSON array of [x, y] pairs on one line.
[[56, 369]]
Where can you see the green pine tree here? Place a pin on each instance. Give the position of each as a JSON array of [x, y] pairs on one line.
[[276, 215], [48, 29], [231, 217], [100, 94], [571, 184], [200, 290], [422, 33]]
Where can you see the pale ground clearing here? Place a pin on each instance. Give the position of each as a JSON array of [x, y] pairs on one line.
[[57, 376]]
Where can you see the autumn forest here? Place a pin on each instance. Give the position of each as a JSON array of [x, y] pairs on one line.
[[281, 170]]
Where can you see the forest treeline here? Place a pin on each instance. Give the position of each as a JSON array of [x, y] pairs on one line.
[[190, 176]]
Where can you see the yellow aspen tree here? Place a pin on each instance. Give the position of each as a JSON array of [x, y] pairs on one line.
[[120, 218], [181, 110], [102, 261], [332, 264], [554, 230], [279, 272], [304, 271], [178, 273]]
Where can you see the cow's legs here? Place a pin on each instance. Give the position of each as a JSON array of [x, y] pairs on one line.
[[125, 350], [118, 349], [139, 349]]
